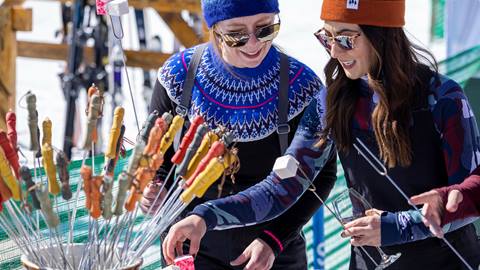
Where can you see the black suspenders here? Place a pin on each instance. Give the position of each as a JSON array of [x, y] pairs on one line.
[[283, 128], [182, 108]]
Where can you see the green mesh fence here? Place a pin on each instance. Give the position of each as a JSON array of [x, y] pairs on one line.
[[438, 18], [462, 66], [337, 249]]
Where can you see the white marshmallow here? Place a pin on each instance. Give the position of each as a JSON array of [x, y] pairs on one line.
[[285, 166]]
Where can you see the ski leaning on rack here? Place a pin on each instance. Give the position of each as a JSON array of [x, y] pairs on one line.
[[85, 25]]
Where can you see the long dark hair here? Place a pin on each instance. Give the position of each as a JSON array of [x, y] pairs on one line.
[[400, 70]]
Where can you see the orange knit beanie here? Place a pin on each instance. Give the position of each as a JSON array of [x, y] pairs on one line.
[[386, 13]]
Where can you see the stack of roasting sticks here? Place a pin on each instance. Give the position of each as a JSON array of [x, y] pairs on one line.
[[111, 198]]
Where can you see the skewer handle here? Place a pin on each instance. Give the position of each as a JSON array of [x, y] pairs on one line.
[[144, 176], [147, 126], [12, 129], [96, 196], [202, 151], [62, 168], [218, 148], [110, 163], [50, 170], [86, 174], [5, 192], [153, 141], [93, 115], [111, 152], [168, 117], [26, 176], [123, 185], [33, 121], [187, 139], [192, 149], [47, 131], [10, 152], [51, 218], [107, 196], [167, 139], [205, 179], [135, 158], [162, 124], [8, 177]]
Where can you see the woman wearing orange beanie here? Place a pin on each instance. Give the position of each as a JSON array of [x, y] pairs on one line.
[[387, 92]]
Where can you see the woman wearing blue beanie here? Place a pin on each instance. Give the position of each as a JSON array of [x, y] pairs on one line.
[[244, 83]]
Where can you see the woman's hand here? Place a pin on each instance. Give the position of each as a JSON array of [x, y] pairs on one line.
[[434, 205], [151, 200], [365, 231], [192, 227], [258, 254]]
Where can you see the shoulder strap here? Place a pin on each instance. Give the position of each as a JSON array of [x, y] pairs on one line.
[[283, 128], [185, 99], [182, 108]]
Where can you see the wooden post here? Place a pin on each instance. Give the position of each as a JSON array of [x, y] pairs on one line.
[[12, 18], [182, 31]]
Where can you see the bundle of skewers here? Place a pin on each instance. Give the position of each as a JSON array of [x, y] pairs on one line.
[[107, 196]]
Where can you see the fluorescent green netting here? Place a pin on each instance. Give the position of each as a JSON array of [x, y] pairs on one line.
[[438, 18], [462, 66]]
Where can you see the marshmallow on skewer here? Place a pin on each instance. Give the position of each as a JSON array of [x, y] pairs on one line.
[[285, 167]]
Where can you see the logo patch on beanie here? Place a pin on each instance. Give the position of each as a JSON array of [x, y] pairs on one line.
[[352, 4]]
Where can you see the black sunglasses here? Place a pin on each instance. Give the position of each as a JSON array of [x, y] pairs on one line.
[[239, 39], [345, 42]]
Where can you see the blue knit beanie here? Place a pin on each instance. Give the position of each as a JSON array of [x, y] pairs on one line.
[[219, 10]]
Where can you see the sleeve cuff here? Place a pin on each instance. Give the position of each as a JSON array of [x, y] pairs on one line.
[[389, 229], [204, 212], [272, 241]]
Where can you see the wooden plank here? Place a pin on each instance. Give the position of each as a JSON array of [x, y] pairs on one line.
[[142, 59], [182, 31], [168, 5], [10, 3], [21, 18], [162, 5], [8, 53]]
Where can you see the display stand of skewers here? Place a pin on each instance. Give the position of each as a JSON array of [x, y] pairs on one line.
[[105, 199]]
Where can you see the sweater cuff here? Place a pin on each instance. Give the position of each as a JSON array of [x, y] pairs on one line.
[[389, 229], [205, 212], [272, 241], [466, 208]]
